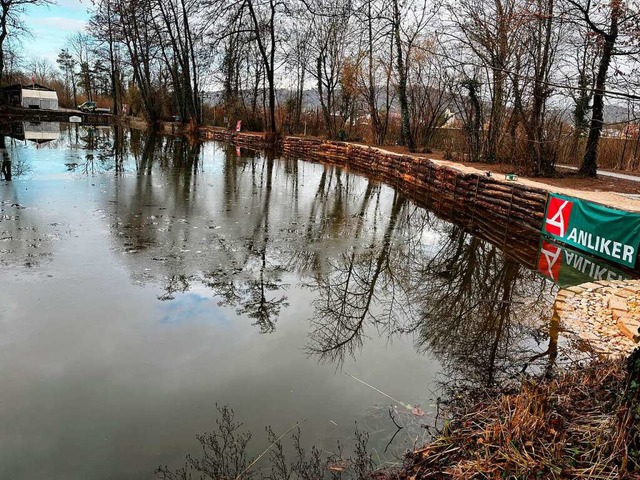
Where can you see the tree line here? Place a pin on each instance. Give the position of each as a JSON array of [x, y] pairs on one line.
[[518, 79]]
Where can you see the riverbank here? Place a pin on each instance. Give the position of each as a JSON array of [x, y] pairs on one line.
[[579, 424], [166, 221], [585, 423], [604, 316], [502, 211]]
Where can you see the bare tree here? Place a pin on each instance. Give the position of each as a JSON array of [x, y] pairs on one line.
[[488, 30], [104, 26], [408, 20], [81, 47], [376, 91], [540, 34], [12, 23], [41, 69], [582, 68], [297, 61], [608, 21], [142, 43], [465, 95], [329, 35], [265, 14], [429, 100], [176, 23], [240, 72]]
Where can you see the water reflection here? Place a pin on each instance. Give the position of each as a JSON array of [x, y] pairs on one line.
[[479, 309], [24, 240], [362, 285], [480, 312], [369, 257], [177, 256], [39, 133], [5, 161]]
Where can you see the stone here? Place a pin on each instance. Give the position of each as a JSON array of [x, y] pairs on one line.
[[617, 303], [560, 307], [624, 293], [576, 289], [618, 314], [629, 328], [604, 316]]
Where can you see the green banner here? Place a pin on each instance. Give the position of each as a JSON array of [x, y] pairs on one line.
[[568, 267], [601, 231]]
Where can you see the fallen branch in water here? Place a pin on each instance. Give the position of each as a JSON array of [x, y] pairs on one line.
[[408, 406], [297, 424]]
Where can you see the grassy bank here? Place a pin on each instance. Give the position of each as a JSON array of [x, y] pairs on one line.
[[583, 424]]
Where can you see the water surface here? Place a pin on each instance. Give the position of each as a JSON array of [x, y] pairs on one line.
[[145, 279]]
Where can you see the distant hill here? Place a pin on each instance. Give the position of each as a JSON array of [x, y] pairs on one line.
[[619, 113], [311, 98]]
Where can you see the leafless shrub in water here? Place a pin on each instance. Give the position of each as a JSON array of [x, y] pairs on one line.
[[224, 456], [224, 452]]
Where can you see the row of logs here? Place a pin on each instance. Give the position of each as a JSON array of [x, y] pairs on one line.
[[254, 141], [513, 200]]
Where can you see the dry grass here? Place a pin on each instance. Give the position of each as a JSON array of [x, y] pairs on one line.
[[613, 153], [583, 424]]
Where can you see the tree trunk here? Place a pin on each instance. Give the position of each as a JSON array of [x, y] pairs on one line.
[[498, 64], [3, 35], [405, 131], [543, 162], [589, 166], [376, 128], [112, 60], [269, 61]]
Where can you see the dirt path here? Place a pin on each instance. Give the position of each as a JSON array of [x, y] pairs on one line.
[[608, 190]]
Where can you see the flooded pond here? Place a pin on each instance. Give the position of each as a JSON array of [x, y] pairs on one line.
[[145, 280]]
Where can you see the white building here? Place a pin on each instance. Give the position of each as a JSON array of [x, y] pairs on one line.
[[30, 96]]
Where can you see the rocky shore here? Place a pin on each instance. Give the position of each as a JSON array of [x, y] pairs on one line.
[[604, 315]]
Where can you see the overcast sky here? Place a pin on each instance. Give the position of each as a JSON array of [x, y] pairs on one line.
[[50, 26]]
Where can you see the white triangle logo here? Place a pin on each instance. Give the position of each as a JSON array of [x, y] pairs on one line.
[[558, 219], [552, 258]]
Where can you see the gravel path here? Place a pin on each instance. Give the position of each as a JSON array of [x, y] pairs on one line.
[[605, 173]]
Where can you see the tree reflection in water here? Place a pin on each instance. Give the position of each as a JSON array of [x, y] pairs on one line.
[[252, 295], [101, 148], [350, 292], [372, 260], [24, 239], [167, 224], [477, 310]]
